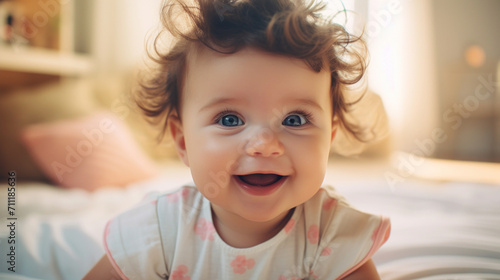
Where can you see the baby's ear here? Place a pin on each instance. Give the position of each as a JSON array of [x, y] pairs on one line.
[[177, 132]]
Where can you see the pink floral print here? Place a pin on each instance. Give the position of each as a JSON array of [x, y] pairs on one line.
[[329, 204], [289, 225], [313, 234], [240, 264], [326, 252], [205, 229], [174, 197], [179, 273]]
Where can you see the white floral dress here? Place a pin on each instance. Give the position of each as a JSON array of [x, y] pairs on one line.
[[173, 237]]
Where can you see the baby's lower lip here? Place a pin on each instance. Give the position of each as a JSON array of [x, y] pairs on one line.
[[259, 190]]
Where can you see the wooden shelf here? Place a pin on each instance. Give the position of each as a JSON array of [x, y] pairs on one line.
[[44, 61]]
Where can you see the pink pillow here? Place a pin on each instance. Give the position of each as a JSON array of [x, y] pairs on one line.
[[88, 153]]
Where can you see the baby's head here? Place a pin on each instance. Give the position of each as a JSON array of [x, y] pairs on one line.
[[285, 27], [252, 93]]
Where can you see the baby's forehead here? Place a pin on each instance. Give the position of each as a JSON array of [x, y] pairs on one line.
[[248, 63], [251, 72], [202, 54]]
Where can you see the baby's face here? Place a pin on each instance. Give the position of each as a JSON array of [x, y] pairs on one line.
[[256, 131]]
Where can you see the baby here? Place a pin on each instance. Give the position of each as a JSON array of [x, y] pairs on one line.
[[252, 93]]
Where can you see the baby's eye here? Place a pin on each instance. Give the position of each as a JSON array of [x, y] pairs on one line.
[[230, 120], [294, 120]]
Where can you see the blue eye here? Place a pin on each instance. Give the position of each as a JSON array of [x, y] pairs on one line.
[[230, 120], [294, 120]]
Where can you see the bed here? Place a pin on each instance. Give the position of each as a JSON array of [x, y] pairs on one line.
[[440, 229]]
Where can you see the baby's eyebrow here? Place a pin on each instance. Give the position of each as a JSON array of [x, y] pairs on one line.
[[232, 100], [221, 100], [309, 102]]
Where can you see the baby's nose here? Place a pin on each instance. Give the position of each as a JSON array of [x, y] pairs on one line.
[[264, 143]]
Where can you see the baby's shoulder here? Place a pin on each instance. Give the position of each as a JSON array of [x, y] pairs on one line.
[[325, 203], [185, 195], [335, 217], [339, 237], [178, 205], [158, 207]]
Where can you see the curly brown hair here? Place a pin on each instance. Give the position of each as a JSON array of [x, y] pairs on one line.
[[293, 28]]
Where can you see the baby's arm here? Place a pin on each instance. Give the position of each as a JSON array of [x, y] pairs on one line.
[[365, 272], [102, 270]]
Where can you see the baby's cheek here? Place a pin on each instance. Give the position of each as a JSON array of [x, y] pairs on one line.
[[313, 146], [313, 162], [211, 162]]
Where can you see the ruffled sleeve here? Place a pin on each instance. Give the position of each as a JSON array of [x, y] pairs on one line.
[[133, 244], [348, 239]]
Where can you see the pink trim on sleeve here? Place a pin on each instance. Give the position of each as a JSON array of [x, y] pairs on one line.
[[379, 237], [108, 253]]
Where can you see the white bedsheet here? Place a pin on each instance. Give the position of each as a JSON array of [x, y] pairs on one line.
[[439, 230]]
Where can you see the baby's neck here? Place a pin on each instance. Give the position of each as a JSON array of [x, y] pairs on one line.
[[240, 233]]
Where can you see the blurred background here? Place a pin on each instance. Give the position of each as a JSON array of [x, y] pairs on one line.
[[435, 64]]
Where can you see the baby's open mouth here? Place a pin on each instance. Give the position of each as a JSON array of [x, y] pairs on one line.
[[260, 180]]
